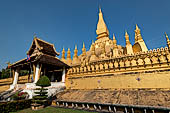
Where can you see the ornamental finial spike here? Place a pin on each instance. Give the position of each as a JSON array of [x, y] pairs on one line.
[[167, 38], [100, 10], [137, 26], [114, 37], [126, 33], [83, 45], [63, 49], [76, 47], [35, 35], [63, 54]]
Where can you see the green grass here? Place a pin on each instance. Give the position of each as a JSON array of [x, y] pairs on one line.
[[51, 110]]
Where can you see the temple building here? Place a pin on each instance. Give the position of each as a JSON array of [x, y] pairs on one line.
[[106, 65], [41, 61], [105, 47], [112, 66]]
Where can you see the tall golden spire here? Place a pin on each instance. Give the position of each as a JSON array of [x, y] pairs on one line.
[[102, 30], [138, 36], [93, 54], [167, 40], [75, 52], [84, 50], [93, 49], [139, 40], [75, 57], [114, 41], [68, 53], [69, 61], [127, 38], [129, 49], [63, 54]]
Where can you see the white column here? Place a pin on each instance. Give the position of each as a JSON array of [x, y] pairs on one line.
[[15, 78], [52, 77], [63, 74], [36, 73]]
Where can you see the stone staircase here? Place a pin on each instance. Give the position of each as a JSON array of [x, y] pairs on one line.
[[5, 96]]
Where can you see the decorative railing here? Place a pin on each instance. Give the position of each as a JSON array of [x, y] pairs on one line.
[[155, 58]]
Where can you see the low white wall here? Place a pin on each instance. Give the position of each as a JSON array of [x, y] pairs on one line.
[[52, 90]]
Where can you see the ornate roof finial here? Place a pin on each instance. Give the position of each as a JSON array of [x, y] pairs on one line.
[[83, 50], [63, 49], [75, 51], [35, 35], [114, 41], [75, 47], [100, 10], [92, 42], [127, 38], [63, 55], [126, 33], [75, 57], [69, 61], [137, 28], [68, 53], [93, 48], [137, 34], [83, 45], [167, 38], [93, 54], [114, 37]]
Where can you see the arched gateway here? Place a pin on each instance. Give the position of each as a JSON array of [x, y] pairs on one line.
[[41, 60]]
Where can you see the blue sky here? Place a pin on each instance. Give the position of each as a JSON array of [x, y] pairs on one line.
[[68, 22]]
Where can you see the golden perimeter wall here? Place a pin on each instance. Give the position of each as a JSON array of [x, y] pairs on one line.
[[116, 81], [142, 70]]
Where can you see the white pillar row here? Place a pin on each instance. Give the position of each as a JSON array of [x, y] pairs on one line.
[[36, 73], [16, 77], [63, 74]]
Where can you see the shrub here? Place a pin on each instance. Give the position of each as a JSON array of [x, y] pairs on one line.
[[43, 82], [20, 96], [41, 92], [12, 106]]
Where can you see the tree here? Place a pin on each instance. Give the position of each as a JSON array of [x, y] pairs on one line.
[[42, 92], [5, 73]]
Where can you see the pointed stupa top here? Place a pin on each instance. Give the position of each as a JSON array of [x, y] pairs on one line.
[[93, 48], [75, 51], [68, 53], [35, 35], [137, 28], [167, 38], [93, 57], [114, 37], [75, 57], [63, 54], [127, 38], [102, 30], [114, 41], [69, 61], [83, 50], [137, 34]]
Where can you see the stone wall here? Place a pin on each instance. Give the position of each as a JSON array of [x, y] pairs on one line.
[[143, 70], [131, 97]]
